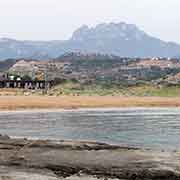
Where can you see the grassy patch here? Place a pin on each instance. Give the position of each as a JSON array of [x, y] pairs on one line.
[[160, 91], [71, 88], [76, 89]]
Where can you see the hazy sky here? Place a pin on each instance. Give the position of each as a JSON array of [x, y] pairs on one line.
[[57, 19]]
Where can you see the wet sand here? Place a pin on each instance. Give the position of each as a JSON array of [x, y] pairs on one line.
[[53, 160], [73, 102]]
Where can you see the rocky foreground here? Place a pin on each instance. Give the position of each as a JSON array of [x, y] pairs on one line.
[[22, 159]]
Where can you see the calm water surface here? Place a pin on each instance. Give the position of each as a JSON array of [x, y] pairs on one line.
[[139, 127]]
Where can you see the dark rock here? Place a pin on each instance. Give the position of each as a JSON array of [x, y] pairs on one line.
[[4, 137]]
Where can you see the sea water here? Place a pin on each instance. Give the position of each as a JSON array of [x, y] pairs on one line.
[[155, 128]]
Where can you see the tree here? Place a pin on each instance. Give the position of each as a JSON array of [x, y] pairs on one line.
[[26, 78]]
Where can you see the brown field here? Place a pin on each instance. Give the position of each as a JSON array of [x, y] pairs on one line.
[[68, 102]]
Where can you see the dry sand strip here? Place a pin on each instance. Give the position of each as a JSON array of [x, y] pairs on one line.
[[53, 160], [47, 102]]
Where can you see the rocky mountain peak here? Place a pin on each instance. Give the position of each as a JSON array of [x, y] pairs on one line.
[[122, 39], [108, 31]]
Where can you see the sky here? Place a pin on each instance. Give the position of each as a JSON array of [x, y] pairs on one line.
[[57, 19]]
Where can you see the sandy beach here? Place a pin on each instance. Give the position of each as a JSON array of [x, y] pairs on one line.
[[73, 102]]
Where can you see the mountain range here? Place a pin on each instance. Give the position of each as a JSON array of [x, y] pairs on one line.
[[120, 39]]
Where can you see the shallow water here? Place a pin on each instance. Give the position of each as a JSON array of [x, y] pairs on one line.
[[157, 128]]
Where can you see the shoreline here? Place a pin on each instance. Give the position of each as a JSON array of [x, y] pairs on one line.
[[80, 102], [84, 109], [83, 160]]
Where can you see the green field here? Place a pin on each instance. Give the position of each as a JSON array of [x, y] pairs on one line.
[[77, 89], [72, 88]]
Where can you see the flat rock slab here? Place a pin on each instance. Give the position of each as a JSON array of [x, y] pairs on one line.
[[9, 173], [13, 173], [45, 159]]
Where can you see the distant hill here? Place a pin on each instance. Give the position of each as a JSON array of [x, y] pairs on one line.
[[10, 48], [120, 39], [5, 65], [72, 56]]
